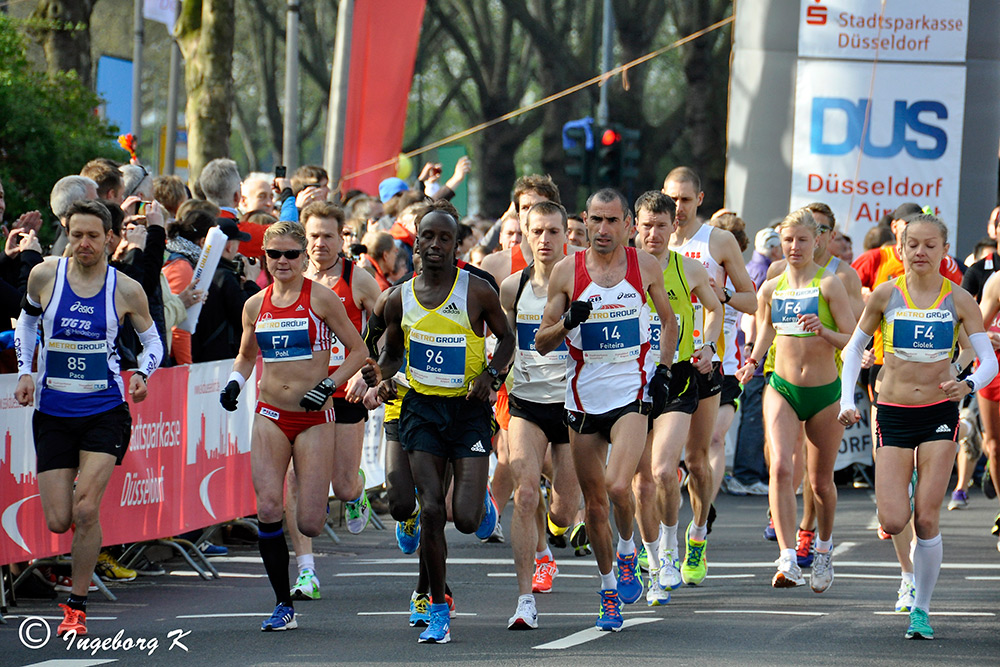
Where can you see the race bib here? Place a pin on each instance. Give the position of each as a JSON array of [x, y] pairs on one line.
[[611, 335], [338, 351], [699, 325], [527, 327], [787, 305], [77, 367], [437, 360], [923, 335], [655, 331], [286, 339]]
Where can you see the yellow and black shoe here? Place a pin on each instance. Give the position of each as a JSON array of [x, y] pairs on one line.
[[556, 534]]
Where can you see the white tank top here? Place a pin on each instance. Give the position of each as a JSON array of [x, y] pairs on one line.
[[697, 247], [609, 360], [536, 378], [731, 358]]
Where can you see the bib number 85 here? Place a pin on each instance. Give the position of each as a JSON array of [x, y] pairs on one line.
[[76, 363]]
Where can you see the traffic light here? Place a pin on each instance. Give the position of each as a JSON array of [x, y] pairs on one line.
[[631, 152], [618, 156], [578, 144]]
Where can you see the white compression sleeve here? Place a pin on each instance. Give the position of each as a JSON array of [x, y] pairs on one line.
[[25, 338], [851, 357], [152, 351], [987, 360]]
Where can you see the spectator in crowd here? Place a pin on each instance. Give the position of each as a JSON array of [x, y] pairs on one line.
[[138, 182], [577, 234], [110, 181], [402, 209], [842, 247], [185, 237], [466, 241], [220, 325], [309, 183], [257, 193], [878, 236], [380, 257], [510, 232], [220, 181], [67, 190], [766, 249], [22, 252], [255, 224], [171, 193], [991, 234]]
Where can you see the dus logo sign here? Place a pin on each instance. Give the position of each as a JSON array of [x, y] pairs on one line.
[[816, 14], [904, 115]]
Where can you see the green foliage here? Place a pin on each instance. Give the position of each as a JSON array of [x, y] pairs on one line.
[[48, 127]]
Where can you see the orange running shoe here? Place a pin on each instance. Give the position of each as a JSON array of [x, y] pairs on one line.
[[74, 620], [545, 572]]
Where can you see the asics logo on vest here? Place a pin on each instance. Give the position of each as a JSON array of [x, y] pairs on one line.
[[451, 309], [82, 309]]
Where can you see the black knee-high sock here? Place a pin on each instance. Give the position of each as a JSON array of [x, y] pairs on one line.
[[274, 552]]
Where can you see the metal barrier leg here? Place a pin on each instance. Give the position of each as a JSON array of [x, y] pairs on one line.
[[184, 554], [328, 529], [103, 589]]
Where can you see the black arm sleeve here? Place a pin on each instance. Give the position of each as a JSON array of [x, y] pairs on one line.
[[374, 328]]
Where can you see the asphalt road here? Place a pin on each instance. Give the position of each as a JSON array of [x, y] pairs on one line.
[[734, 617]]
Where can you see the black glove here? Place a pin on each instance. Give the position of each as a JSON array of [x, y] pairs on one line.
[[659, 390], [318, 395], [229, 397], [578, 313]]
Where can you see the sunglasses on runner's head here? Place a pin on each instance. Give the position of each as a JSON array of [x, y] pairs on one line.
[[277, 254]]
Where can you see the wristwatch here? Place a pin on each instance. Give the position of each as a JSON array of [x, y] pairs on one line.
[[972, 385], [495, 374], [711, 344], [145, 378], [727, 294]]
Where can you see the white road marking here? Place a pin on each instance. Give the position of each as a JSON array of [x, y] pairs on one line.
[[984, 578], [237, 559], [232, 615], [558, 576], [69, 662], [760, 611], [589, 635], [587, 613], [59, 618], [941, 613], [376, 574], [405, 613], [843, 548], [847, 575], [224, 575]]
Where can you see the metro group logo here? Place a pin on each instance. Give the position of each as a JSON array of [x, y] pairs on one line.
[[908, 130]]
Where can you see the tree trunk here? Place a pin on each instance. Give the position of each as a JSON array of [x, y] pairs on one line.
[[497, 146], [65, 36], [205, 32]]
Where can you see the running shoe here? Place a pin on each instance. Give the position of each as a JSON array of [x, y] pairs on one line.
[[147, 568], [526, 616], [579, 541], [734, 487], [496, 537], [306, 587], [490, 518], [610, 617], [545, 572], [450, 601], [769, 533], [905, 596], [283, 618], [420, 614], [558, 536], [656, 596], [758, 488], [789, 575], [64, 584], [439, 629], [74, 620], [629, 578], [695, 567], [210, 549], [988, 489], [358, 511], [822, 571], [643, 559], [804, 548], [959, 500], [919, 628], [670, 570], [408, 533], [110, 569], [712, 516], [995, 530], [882, 535]]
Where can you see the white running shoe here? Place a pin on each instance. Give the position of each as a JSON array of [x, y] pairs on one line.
[[526, 616], [822, 571], [758, 488], [905, 597], [656, 596], [670, 570], [789, 575]]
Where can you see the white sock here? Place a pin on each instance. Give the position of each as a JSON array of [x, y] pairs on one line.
[[539, 555], [306, 562], [926, 566], [824, 545], [527, 596], [670, 536], [625, 547], [789, 553], [907, 577], [698, 532], [653, 554], [608, 582]]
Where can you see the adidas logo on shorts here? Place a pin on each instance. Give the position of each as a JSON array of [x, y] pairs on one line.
[[943, 428], [478, 447], [451, 309]]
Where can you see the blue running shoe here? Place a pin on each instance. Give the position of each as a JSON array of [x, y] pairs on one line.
[[629, 579], [611, 613], [769, 533], [408, 533], [420, 615], [919, 627], [283, 618], [439, 629], [490, 517]]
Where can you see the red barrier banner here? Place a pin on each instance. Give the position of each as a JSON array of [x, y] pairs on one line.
[[187, 466]]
